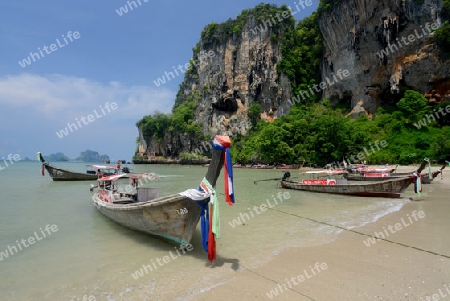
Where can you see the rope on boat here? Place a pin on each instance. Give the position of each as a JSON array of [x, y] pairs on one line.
[[361, 233]]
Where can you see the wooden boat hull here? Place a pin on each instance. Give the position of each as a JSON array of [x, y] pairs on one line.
[[388, 188], [359, 177], [58, 174], [174, 218]]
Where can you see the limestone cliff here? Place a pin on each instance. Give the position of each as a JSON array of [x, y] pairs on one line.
[[234, 66], [387, 47], [242, 71]]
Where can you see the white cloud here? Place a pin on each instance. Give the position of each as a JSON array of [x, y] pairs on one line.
[[65, 96], [35, 107]]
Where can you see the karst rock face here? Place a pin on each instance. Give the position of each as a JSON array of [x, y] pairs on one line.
[[355, 33], [234, 74], [231, 74], [385, 48]]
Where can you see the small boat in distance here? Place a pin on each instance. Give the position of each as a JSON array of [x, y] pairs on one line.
[[92, 174]]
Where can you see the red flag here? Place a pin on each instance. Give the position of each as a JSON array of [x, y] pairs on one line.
[[211, 241]]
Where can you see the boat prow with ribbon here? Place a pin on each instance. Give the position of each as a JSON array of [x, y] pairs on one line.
[[176, 216]]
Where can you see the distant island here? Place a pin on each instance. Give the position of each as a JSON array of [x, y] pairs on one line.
[[86, 156]]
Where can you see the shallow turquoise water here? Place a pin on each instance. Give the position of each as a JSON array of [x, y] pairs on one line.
[[89, 255]]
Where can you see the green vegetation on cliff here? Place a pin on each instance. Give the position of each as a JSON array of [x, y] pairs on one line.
[[263, 13], [181, 120], [301, 55], [314, 132], [319, 134]]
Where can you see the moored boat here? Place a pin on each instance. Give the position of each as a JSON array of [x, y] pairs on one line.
[[173, 217], [388, 176], [389, 188], [92, 173]]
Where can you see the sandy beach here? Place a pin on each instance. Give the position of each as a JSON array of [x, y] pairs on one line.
[[412, 263]]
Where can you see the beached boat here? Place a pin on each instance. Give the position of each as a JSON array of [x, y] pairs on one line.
[[389, 188], [367, 170], [92, 174], [374, 176], [427, 180], [388, 176], [172, 217]]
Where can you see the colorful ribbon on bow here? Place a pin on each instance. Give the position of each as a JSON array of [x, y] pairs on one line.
[[214, 219], [39, 156], [210, 214], [224, 143], [418, 183]]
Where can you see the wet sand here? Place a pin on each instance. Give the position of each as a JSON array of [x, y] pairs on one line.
[[413, 265]]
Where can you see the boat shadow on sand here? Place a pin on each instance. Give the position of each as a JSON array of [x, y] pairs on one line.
[[158, 244]]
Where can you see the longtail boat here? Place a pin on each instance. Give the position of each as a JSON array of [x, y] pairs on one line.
[[388, 176], [366, 170], [173, 217], [388, 188], [426, 179], [60, 174]]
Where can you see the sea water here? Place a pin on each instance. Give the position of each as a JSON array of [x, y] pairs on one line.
[[89, 257]]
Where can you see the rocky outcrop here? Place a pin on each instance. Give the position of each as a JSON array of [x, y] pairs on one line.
[[230, 73], [387, 48], [241, 72]]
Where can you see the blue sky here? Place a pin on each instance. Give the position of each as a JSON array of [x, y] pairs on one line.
[[114, 59]]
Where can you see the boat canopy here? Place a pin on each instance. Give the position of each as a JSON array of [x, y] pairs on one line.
[[327, 172], [103, 167], [143, 175]]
